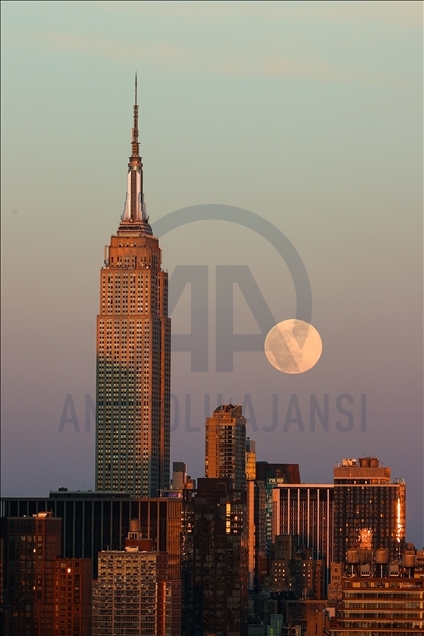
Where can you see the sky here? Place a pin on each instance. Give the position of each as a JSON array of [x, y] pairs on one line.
[[309, 116]]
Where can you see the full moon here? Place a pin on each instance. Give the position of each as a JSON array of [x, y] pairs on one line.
[[293, 346]]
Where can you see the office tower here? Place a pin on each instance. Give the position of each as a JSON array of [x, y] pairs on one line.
[[91, 521], [306, 511], [31, 547], [134, 593], [219, 560], [133, 352], [225, 445], [369, 509], [72, 597]]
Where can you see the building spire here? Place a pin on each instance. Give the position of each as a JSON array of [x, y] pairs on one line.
[[135, 146], [135, 209]]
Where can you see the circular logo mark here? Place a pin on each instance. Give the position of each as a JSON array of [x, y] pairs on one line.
[[294, 361]]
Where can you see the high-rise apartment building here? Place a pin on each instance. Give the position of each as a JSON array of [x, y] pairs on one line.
[[72, 597], [369, 509], [133, 352], [134, 593], [293, 570], [225, 443], [385, 605]]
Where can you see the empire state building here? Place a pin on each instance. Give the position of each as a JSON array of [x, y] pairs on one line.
[[133, 351]]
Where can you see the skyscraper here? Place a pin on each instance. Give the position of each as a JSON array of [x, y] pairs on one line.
[[218, 577], [133, 351], [225, 441]]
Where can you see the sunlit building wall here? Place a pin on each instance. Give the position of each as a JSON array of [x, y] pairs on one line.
[[134, 593], [250, 507], [225, 444], [369, 509], [371, 606]]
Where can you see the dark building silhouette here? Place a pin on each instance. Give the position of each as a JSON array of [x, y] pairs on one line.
[[31, 547], [43, 594], [292, 569], [215, 560], [288, 473]]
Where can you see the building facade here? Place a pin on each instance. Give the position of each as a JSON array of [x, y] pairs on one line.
[[371, 606], [42, 593], [369, 509], [72, 597], [215, 567], [268, 477], [306, 511], [134, 593], [292, 570], [93, 521], [250, 508], [133, 352], [225, 445]]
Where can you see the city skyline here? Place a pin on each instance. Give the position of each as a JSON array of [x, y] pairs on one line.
[[318, 132]]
